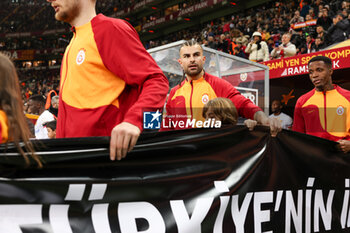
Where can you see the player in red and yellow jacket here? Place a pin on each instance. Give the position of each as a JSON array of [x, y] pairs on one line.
[[186, 101], [324, 111], [107, 78], [189, 98]]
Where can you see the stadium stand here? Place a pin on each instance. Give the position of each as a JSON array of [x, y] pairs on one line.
[[36, 41]]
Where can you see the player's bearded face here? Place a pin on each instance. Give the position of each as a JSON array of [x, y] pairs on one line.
[[192, 60], [66, 10]]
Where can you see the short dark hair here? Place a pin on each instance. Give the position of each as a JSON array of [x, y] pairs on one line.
[[191, 43], [326, 60], [51, 124], [38, 98], [339, 14], [277, 100]]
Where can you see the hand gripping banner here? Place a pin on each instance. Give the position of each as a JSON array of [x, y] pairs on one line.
[[192, 181]]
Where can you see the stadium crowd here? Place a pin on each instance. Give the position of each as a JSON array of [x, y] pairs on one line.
[[232, 35], [256, 34], [37, 15]]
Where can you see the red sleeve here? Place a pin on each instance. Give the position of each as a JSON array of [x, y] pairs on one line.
[[343, 92], [298, 122], [244, 106], [124, 55]]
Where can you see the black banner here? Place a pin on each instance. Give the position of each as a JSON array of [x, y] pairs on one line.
[[191, 181]]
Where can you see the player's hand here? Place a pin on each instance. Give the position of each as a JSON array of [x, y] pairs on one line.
[[123, 139], [275, 126], [250, 124], [344, 145]]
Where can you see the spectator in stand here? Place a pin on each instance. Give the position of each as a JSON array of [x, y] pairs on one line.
[[223, 44], [276, 29], [270, 44], [286, 49], [244, 39], [321, 33], [241, 47], [346, 17], [330, 11], [296, 18], [49, 96], [298, 39], [285, 26], [305, 9], [315, 5], [309, 43], [228, 38], [240, 26], [257, 49], [337, 32], [317, 45], [226, 28], [37, 105], [263, 34], [239, 53], [308, 17], [211, 43], [312, 13], [324, 20], [276, 108], [232, 46], [345, 5], [53, 109]]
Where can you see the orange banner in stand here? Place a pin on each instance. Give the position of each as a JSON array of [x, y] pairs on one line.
[[304, 24], [297, 65]]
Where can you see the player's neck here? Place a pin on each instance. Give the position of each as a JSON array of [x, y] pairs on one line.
[[196, 77], [326, 88], [84, 17]]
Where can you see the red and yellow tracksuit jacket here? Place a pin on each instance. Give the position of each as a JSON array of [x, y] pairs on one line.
[[186, 101], [107, 77], [3, 127], [324, 114]]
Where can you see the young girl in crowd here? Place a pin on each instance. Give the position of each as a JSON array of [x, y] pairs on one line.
[[13, 125], [222, 109]]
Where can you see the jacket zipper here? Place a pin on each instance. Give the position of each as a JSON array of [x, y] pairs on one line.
[[191, 99]]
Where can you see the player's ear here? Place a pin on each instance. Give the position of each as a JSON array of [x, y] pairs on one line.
[[180, 61]]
